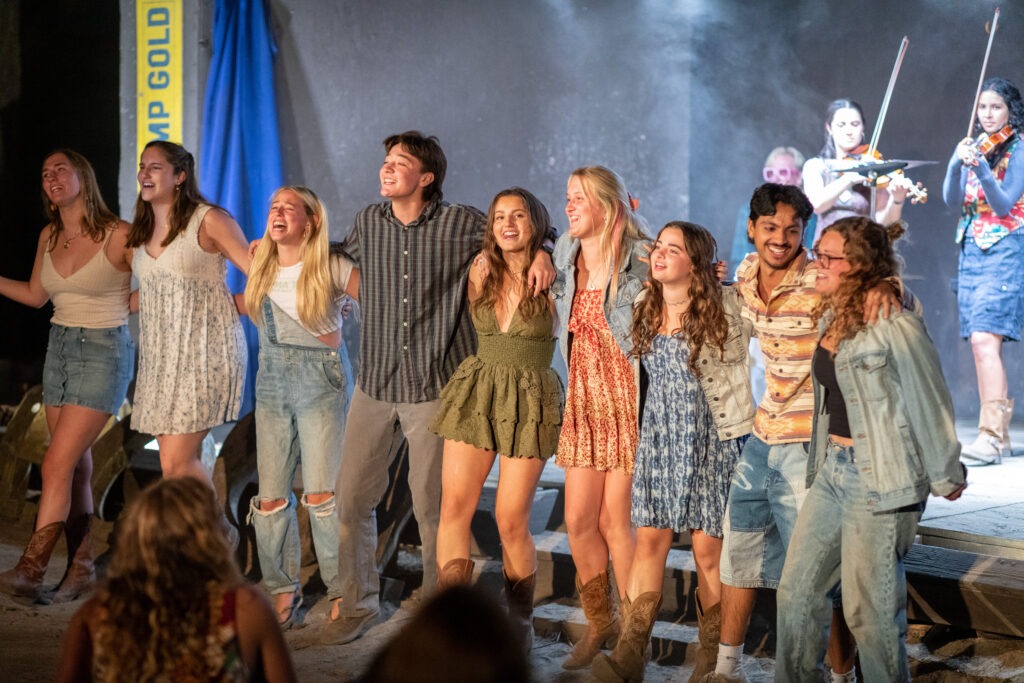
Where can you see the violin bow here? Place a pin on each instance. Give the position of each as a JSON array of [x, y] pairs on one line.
[[984, 67], [873, 145]]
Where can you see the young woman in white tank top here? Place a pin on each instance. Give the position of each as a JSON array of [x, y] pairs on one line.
[[83, 266]]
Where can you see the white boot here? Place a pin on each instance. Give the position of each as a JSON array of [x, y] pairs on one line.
[[993, 434]]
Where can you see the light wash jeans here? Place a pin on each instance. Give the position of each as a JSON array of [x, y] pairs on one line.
[[765, 495], [300, 414], [838, 536]]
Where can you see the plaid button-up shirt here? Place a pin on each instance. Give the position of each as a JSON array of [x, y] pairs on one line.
[[415, 326]]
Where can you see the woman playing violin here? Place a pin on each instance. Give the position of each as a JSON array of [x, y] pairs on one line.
[[835, 194], [985, 178]]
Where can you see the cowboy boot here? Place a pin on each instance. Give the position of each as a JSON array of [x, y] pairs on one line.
[[629, 658], [993, 434], [519, 594], [602, 621], [709, 634], [27, 576], [457, 572], [80, 576]]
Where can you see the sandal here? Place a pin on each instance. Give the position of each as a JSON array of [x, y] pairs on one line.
[[288, 614]]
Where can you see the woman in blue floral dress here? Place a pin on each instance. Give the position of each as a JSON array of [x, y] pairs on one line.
[[691, 342]]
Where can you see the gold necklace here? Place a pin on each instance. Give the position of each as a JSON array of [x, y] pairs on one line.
[[69, 240]]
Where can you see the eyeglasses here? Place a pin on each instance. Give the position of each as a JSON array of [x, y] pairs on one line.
[[825, 260], [780, 175]]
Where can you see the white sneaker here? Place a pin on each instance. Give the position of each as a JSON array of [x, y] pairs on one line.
[[986, 450]]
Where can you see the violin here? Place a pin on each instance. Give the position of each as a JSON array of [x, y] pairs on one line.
[[987, 143], [917, 192]]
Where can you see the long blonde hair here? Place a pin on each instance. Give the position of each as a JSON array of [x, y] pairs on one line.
[[315, 290], [157, 606], [608, 190], [705, 321]]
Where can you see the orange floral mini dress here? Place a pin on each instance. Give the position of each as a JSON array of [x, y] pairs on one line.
[[599, 427]]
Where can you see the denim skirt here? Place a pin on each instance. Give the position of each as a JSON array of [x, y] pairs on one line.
[[990, 283], [88, 367]]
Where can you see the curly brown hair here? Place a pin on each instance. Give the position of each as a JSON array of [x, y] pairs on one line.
[[497, 268], [868, 248], [704, 322], [171, 561]]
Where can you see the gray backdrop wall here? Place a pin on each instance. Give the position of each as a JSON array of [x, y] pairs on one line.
[[683, 99]]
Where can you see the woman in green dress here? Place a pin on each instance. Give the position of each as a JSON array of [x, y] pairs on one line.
[[504, 399]]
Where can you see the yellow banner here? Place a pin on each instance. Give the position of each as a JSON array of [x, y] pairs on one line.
[[159, 70]]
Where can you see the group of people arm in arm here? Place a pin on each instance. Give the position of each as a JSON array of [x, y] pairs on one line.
[[815, 491]]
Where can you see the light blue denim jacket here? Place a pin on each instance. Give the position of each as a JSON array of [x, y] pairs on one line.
[[725, 377], [618, 313], [900, 413]]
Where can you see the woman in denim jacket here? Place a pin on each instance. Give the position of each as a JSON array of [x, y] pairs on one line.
[[883, 437], [698, 408], [294, 296], [599, 276]]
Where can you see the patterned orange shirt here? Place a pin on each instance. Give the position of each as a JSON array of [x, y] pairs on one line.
[[788, 338]]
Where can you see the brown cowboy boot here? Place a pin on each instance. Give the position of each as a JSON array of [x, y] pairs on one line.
[[519, 594], [457, 572], [27, 576], [710, 633], [80, 576], [602, 621], [629, 658]]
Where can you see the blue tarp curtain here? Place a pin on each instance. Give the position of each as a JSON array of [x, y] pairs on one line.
[[240, 154]]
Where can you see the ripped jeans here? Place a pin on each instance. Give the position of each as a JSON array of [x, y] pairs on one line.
[[300, 414]]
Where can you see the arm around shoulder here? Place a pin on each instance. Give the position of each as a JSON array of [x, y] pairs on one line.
[[227, 237]]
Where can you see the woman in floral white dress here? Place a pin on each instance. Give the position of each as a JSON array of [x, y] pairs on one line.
[[192, 352]]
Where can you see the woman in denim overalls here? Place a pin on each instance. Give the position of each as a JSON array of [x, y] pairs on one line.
[[294, 296]]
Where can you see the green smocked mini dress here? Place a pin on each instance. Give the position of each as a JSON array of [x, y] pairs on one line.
[[506, 398]]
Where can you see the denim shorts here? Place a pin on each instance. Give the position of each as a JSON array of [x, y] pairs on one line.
[[990, 287], [767, 490], [88, 367]]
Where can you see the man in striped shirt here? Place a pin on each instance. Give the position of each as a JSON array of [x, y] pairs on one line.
[[768, 484], [414, 251]]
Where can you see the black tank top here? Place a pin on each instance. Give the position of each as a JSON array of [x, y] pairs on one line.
[[824, 367]]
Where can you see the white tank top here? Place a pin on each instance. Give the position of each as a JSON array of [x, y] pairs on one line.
[[94, 296]]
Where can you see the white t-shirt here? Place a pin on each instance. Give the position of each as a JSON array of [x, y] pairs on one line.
[[284, 292]]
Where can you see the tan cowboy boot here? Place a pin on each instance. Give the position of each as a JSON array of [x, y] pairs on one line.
[[80, 576], [993, 434], [457, 572], [629, 658], [27, 576], [602, 621], [710, 633]]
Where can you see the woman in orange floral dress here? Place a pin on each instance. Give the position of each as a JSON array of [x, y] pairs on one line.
[[599, 276]]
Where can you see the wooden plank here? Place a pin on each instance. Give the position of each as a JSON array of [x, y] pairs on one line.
[[957, 588]]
